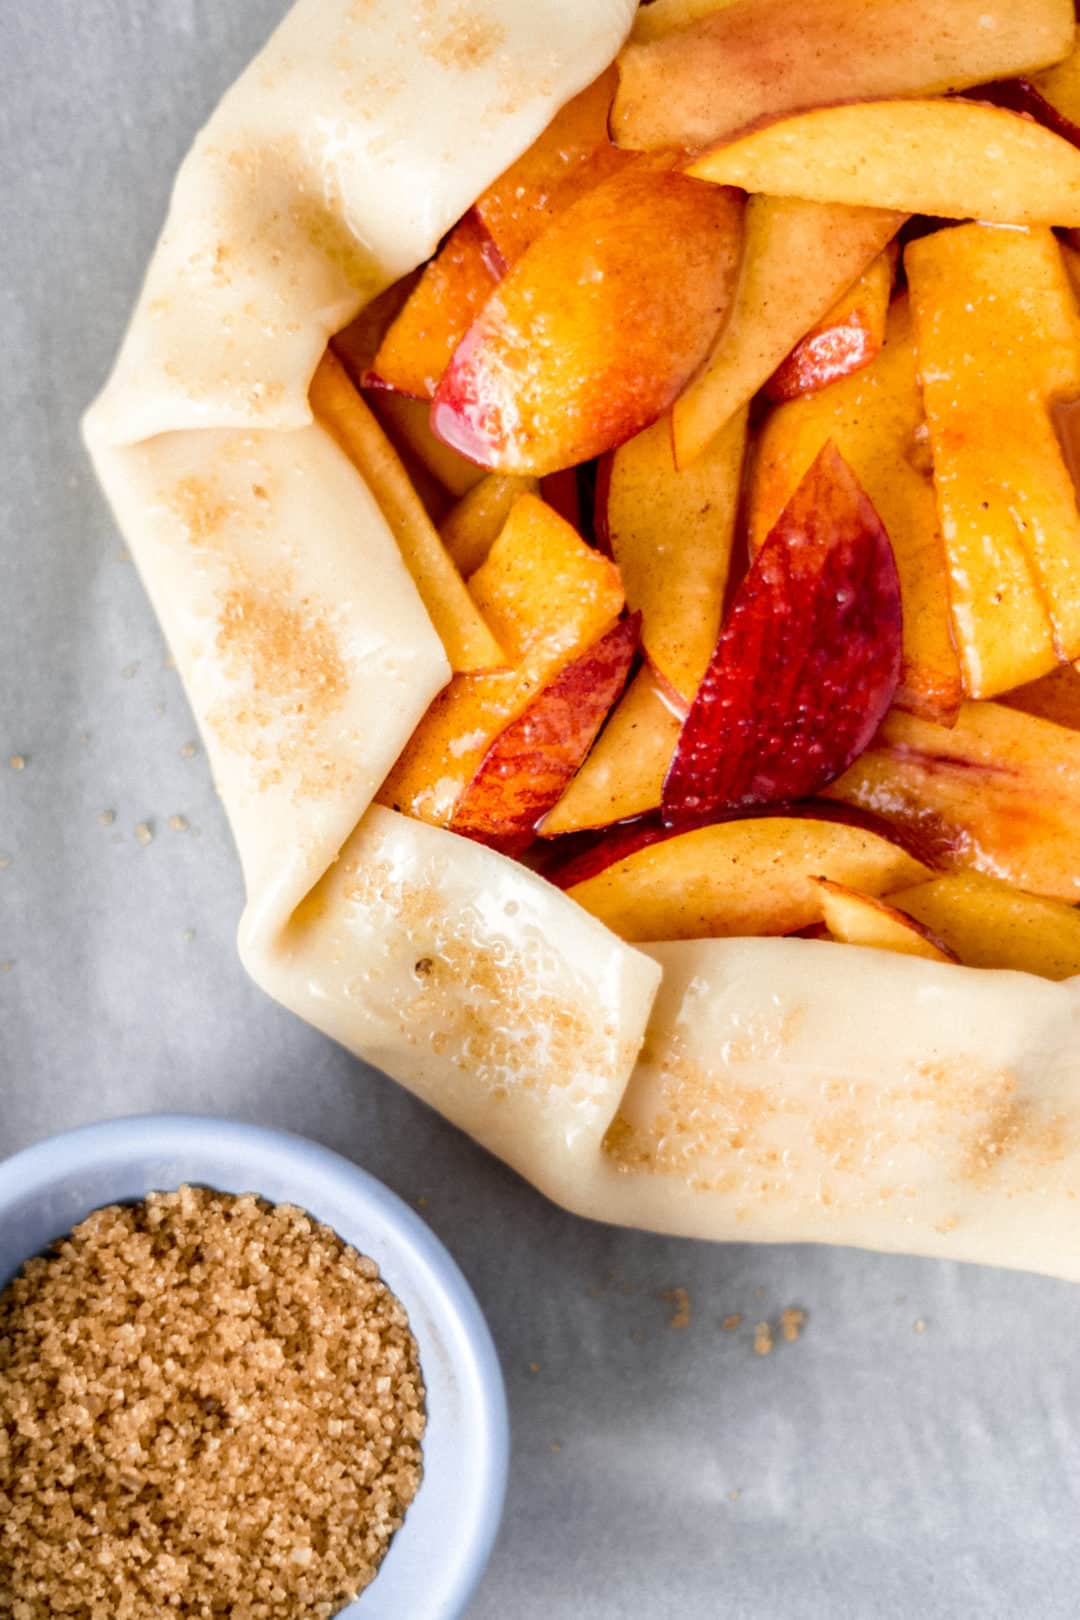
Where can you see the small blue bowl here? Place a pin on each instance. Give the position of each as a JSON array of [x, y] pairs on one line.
[[439, 1554]]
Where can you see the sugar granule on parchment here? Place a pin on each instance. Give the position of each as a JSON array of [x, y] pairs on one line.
[[679, 1298], [792, 1322]]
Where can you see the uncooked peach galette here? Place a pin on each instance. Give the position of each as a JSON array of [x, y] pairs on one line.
[[611, 500]]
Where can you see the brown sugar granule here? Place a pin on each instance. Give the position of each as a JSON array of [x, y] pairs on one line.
[[731, 1323], [763, 1339], [17, 762], [208, 1406], [679, 1298], [792, 1322]]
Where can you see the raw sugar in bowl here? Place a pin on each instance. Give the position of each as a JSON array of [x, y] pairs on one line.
[[437, 1556]]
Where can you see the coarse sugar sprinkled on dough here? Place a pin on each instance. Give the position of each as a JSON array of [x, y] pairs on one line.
[[516, 1031], [455, 37], [289, 673], [722, 1131], [208, 1405]]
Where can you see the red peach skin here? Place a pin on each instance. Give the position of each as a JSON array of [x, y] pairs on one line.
[[807, 664], [526, 770]]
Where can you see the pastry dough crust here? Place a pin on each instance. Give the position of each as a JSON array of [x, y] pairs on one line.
[[747, 1089]]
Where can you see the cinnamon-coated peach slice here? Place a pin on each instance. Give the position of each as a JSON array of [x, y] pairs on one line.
[[753, 876], [452, 291], [955, 159], [573, 155], [998, 336], [849, 337], [671, 533], [528, 765], [854, 918], [991, 924], [762, 58], [876, 420], [408, 423], [471, 528], [468, 639], [597, 328], [662, 17], [1053, 697], [799, 258], [807, 662], [357, 344], [1060, 84], [624, 774], [999, 792], [548, 597]]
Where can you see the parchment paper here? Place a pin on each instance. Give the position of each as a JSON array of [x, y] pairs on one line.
[[915, 1452]]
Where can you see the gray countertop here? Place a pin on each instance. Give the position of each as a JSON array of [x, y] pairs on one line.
[[916, 1452]]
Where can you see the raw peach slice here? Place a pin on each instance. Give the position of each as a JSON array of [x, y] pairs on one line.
[[854, 918], [760, 58], [806, 664], [876, 420], [525, 770], [671, 533], [849, 337], [799, 258], [754, 876], [449, 296], [998, 338], [956, 159], [998, 792], [548, 597], [624, 774], [598, 326], [469, 642], [990, 924]]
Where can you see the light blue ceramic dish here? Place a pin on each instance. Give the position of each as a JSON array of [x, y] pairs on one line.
[[437, 1558]]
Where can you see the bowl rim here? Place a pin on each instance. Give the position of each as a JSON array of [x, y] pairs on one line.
[[401, 1236]]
